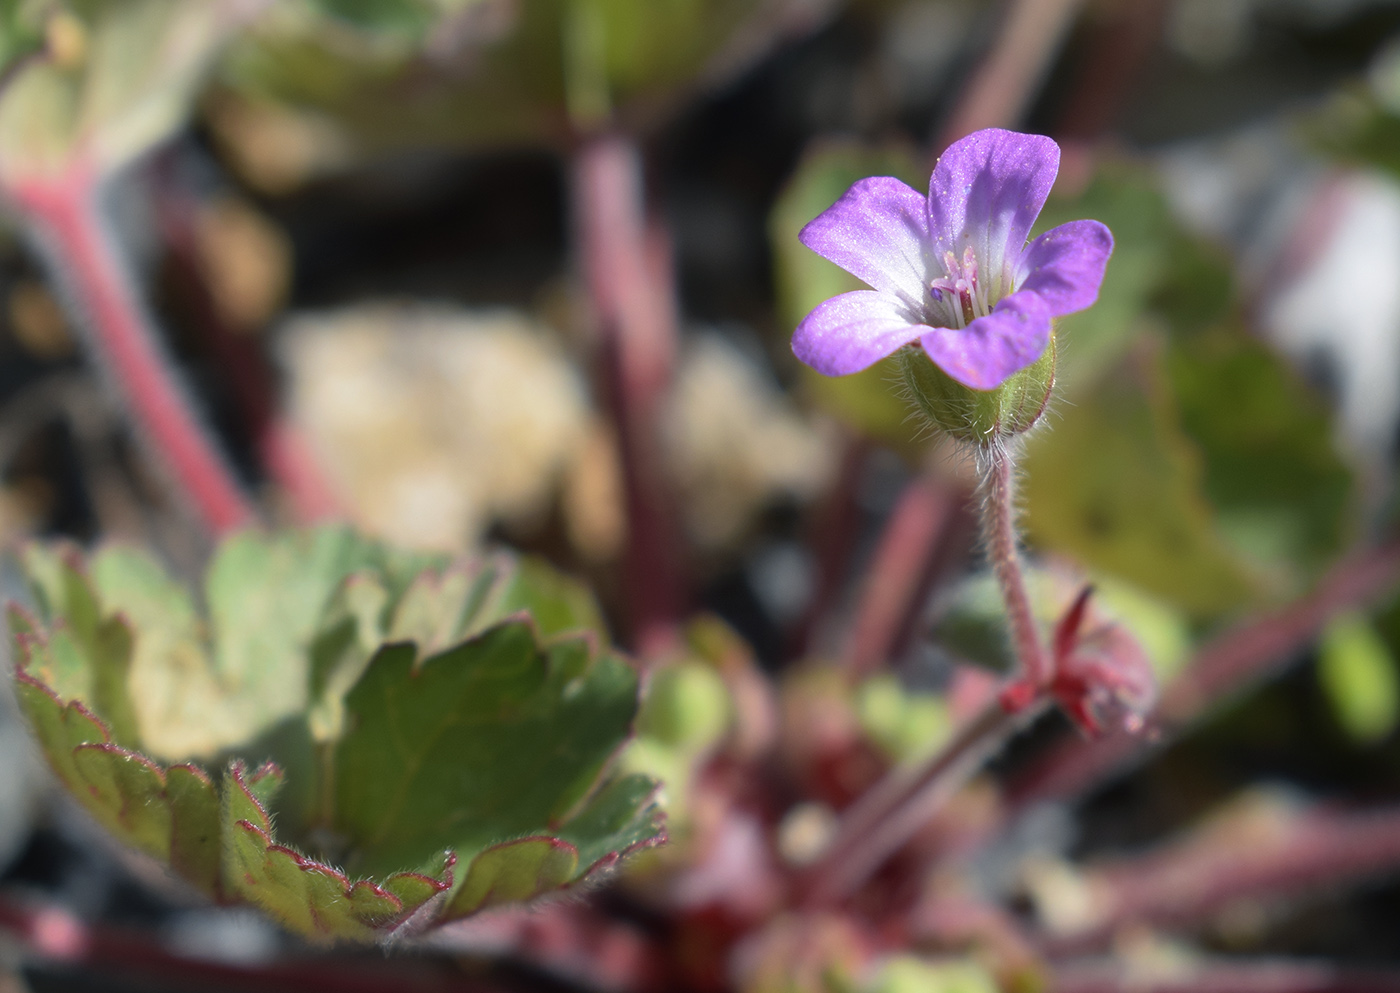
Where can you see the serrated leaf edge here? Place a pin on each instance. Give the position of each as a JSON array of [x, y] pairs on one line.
[[236, 779]]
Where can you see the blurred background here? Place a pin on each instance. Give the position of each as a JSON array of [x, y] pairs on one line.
[[472, 272]]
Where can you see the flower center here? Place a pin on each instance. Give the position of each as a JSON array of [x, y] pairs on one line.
[[960, 295]]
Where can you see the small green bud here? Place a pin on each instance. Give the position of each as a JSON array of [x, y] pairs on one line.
[[979, 416]]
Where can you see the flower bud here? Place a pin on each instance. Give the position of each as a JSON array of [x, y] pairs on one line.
[[979, 416]]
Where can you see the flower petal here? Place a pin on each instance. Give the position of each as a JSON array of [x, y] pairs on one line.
[[878, 232], [986, 191], [1065, 265], [853, 331], [988, 351]]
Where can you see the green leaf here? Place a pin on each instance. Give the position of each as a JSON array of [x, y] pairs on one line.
[[514, 871], [1280, 489], [89, 655], [128, 791], [1119, 487], [500, 727], [169, 814], [310, 897], [194, 826], [491, 740], [127, 84], [546, 68], [1359, 676]]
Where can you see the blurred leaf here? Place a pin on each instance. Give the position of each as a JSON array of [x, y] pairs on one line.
[[868, 400], [1118, 486], [21, 30], [411, 18], [1356, 127], [1155, 266], [498, 727], [266, 596], [121, 84], [905, 724], [1359, 677], [445, 74], [1280, 489], [909, 974], [686, 706]]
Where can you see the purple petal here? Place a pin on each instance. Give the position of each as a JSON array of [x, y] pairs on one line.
[[853, 331], [992, 348], [877, 231], [1065, 265], [986, 191]]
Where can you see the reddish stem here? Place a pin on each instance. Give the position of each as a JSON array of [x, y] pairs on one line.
[[1000, 89], [54, 935], [918, 528], [889, 814], [284, 452], [831, 532], [999, 533], [627, 267], [64, 216], [1229, 663], [1187, 882]]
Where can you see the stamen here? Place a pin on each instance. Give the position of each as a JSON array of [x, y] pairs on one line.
[[968, 297]]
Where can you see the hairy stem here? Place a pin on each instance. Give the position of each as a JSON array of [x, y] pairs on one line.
[[64, 217], [999, 533]]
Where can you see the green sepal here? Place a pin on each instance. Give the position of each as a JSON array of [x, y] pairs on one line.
[[978, 416]]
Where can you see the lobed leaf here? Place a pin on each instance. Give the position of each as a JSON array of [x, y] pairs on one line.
[[416, 713], [307, 896]]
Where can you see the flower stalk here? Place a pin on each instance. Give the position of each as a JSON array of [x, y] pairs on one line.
[[999, 533]]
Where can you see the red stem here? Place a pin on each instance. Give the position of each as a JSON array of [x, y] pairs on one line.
[[54, 935], [64, 216], [889, 814], [1229, 663], [1185, 883], [1000, 89], [283, 450], [900, 570], [627, 267], [831, 532], [999, 533]]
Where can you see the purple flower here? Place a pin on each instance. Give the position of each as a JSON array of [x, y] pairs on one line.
[[953, 270]]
